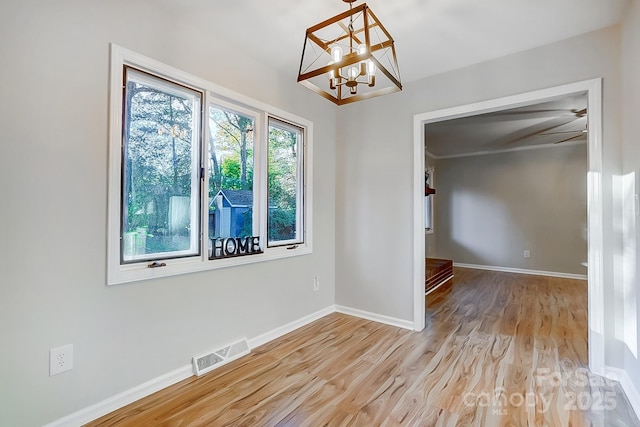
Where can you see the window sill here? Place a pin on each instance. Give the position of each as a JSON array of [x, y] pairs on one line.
[[138, 272]]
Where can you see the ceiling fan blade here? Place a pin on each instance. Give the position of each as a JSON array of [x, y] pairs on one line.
[[527, 114], [529, 132], [580, 113], [569, 139], [567, 131]]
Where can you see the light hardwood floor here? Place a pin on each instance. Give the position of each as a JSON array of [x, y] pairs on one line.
[[499, 349]]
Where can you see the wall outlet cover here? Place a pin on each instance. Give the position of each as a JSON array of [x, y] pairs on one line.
[[60, 359]]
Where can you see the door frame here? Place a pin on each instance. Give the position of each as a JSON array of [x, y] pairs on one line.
[[595, 225]]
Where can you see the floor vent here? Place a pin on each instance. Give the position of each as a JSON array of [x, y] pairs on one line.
[[212, 360]]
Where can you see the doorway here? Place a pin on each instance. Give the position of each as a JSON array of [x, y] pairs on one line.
[[593, 91]]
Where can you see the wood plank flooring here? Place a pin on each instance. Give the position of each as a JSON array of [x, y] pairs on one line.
[[499, 349]]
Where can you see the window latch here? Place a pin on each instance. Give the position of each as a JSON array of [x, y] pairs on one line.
[[156, 264], [292, 247]]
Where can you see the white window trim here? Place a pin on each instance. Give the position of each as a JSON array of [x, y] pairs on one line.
[[118, 273]]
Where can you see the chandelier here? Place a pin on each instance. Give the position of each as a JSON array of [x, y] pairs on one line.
[[349, 57]]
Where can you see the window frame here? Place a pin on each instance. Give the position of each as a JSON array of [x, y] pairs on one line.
[[300, 185], [258, 117], [117, 272], [168, 86]]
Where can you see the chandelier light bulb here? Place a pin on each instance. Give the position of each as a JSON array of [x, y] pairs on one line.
[[362, 49], [332, 77], [331, 74], [371, 73], [354, 72], [336, 53], [371, 68]]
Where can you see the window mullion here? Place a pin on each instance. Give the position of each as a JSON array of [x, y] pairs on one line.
[[204, 174], [263, 207]]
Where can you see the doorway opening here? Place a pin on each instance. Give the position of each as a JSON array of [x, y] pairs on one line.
[[592, 90]]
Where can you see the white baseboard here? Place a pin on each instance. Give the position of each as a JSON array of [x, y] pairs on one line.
[[633, 395], [523, 271], [289, 327], [111, 404], [405, 324], [99, 409]]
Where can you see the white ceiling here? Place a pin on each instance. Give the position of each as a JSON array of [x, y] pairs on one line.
[[431, 36]]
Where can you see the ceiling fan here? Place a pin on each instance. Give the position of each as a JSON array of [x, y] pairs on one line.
[[573, 134], [554, 122]]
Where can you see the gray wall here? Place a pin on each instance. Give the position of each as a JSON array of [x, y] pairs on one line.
[[493, 207], [374, 203], [374, 163], [53, 184]]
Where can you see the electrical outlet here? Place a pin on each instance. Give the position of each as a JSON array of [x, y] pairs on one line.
[[527, 253], [60, 359], [316, 283]]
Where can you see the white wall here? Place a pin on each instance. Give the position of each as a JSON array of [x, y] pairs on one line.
[[374, 241], [53, 183], [628, 331], [491, 208]]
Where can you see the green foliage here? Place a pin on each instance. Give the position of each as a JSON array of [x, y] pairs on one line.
[[230, 151], [231, 168], [158, 154], [231, 178], [282, 183], [247, 224], [282, 224]]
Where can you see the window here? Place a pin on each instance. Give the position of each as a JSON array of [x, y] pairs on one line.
[[200, 177], [428, 213], [160, 185], [285, 183], [429, 201], [233, 202]]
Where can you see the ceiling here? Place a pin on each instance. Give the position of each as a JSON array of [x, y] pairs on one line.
[[562, 121], [431, 36]]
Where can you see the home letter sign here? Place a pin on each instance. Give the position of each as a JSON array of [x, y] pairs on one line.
[[228, 247]]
